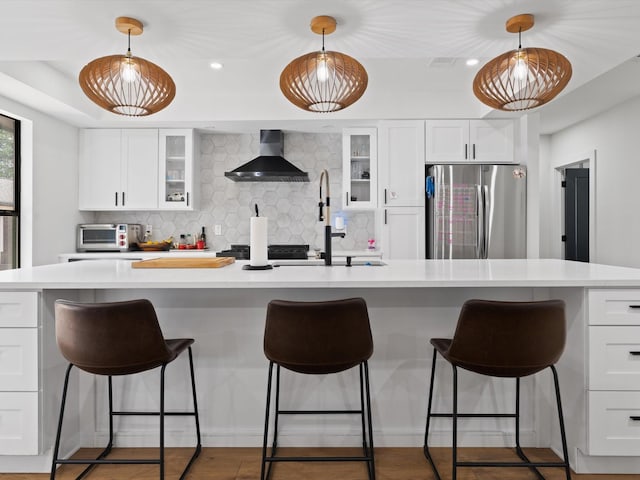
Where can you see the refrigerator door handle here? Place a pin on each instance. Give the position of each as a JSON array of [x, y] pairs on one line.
[[485, 222], [479, 221]]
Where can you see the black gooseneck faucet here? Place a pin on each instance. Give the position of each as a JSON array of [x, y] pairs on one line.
[[325, 214]]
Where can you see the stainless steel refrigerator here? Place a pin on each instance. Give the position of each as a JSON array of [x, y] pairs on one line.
[[476, 211]]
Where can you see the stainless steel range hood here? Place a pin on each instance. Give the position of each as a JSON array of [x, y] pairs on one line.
[[270, 166]]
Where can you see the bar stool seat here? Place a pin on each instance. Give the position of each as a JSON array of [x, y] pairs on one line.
[[318, 338], [508, 340], [113, 339]]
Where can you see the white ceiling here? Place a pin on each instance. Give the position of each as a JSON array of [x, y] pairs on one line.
[[413, 50]]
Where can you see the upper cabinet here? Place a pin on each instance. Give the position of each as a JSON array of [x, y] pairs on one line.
[[359, 168], [402, 160], [176, 187], [118, 169], [136, 169], [486, 141]]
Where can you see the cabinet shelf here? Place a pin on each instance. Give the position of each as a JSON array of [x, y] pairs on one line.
[[360, 180], [174, 158], [360, 158], [171, 180]]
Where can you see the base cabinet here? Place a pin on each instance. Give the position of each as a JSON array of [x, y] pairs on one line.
[[19, 362], [614, 372]]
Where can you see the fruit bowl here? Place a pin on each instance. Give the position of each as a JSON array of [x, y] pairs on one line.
[[155, 246]]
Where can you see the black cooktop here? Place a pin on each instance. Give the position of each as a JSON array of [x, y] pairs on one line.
[[274, 252]]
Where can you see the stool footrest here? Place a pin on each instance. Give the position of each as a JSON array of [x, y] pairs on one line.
[[474, 415], [153, 414], [118, 461], [312, 412], [511, 464], [317, 459]]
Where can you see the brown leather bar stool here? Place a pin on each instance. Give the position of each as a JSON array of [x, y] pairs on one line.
[[318, 338], [502, 339], [120, 338]]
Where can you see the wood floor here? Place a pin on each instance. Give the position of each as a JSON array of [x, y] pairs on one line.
[[244, 464]]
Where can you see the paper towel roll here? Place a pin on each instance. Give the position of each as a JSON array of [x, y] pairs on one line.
[[258, 243]]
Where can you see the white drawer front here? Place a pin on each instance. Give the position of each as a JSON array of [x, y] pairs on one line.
[[614, 307], [18, 309], [19, 423], [18, 359], [612, 431]]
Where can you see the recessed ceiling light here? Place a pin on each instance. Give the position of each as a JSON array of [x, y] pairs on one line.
[[472, 61], [216, 65]]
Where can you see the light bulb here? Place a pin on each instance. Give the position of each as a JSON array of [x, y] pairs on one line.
[[322, 70], [520, 69], [128, 71]]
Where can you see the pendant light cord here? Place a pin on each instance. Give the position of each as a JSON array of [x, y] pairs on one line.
[[129, 43], [323, 40], [520, 38]]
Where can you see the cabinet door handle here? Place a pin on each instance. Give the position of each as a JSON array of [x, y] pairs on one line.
[[635, 418], [385, 196], [123, 199], [466, 151], [347, 198], [635, 353], [474, 151], [187, 199], [385, 216], [116, 199], [634, 306]]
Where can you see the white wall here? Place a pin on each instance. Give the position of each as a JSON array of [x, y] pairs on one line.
[[613, 135], [49, 190]]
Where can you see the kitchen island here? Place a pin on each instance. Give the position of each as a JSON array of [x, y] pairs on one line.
[[409, 302]]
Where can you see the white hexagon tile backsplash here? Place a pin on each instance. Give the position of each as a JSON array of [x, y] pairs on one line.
[[292, 208]]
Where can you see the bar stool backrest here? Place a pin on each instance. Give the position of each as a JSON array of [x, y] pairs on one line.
[[509, 339], [116, 338], [318, 337]]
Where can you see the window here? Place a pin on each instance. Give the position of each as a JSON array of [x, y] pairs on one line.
[[9, 192]]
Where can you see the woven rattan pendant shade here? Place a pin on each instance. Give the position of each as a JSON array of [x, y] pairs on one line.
[[523, 78], [323, 81], [125, 84]]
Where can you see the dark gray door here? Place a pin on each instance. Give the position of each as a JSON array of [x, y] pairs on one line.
[[576, 214]]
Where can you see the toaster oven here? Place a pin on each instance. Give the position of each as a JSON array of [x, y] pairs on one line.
[[109, 237]]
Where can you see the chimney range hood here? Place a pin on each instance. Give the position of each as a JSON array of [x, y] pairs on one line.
[[270, 166]]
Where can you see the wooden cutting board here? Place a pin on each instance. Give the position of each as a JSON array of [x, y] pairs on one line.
[[191, 262]]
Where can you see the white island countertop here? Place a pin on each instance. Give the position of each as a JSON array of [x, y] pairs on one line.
[[119, 274]]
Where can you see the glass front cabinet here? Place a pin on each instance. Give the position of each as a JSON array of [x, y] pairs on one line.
[[176, 169], [359, 168]]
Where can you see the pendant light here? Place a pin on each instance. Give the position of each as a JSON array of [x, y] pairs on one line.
[[125, 84], [323, 81], [524, 78]]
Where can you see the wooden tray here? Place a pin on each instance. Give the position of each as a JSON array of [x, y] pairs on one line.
[[190, 262]]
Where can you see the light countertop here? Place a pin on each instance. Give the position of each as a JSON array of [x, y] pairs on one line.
[[101, 274]]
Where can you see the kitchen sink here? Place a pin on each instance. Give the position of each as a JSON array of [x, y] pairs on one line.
[[337, 262]]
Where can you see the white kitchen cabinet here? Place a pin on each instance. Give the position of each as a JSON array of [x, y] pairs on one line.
[[403, 233], [401, 159], [176, 175], [614, 372], [487, 141], [19, 412], [118, 169], [359, 168]]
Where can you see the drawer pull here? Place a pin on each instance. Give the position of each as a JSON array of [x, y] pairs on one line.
[[635, 353], [634, 306], [635, 419]]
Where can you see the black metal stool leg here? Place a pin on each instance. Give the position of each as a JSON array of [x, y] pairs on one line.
[[162, 422], [63, 401], [454, 433], [563, 435], [362, 410], [198, 449], [426, 451], [277, 413], [519, 450], [263, 471], [371, 462]]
